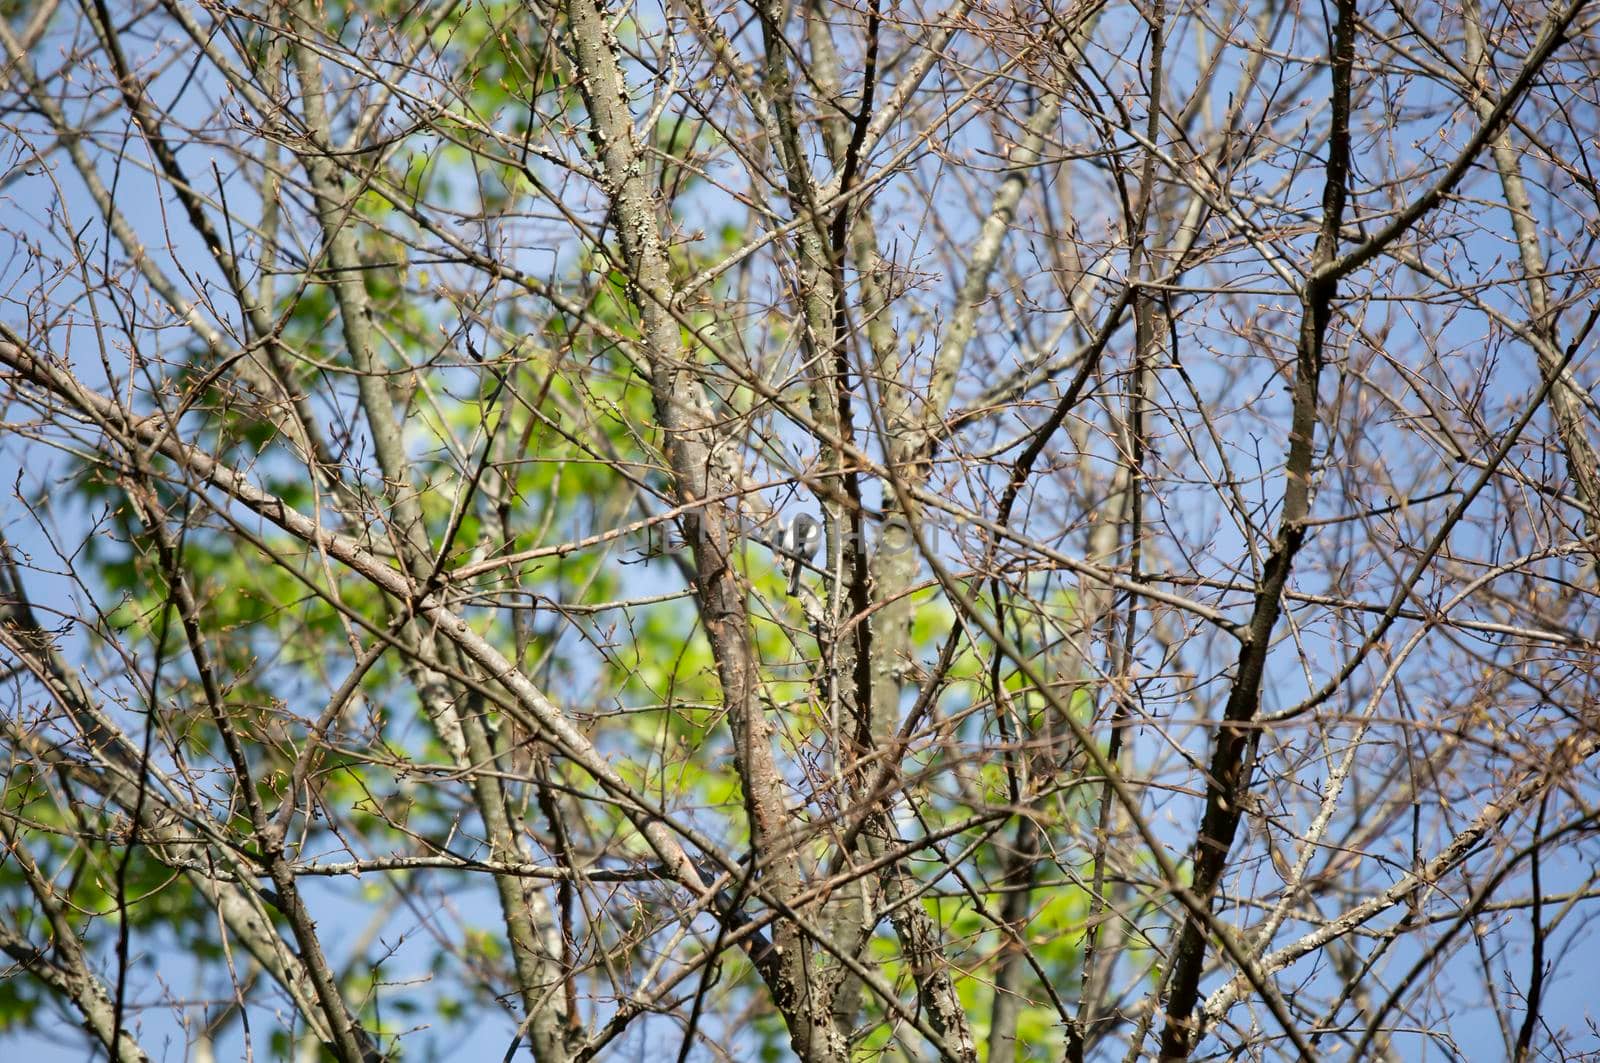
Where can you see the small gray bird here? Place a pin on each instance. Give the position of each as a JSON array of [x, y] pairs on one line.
[[798, 542]]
